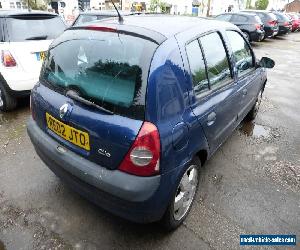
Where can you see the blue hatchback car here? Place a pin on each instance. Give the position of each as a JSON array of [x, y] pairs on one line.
[[127, 113]]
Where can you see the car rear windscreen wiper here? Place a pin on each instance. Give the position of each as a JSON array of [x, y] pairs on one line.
[[37, 38], [75, 96]]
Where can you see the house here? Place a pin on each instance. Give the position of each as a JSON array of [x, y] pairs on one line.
[[293, 6], [12, 4]]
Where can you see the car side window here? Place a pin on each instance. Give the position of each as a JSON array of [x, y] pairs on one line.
[[241, 52], [226, 17], [216, 60], [197, 66], [239, 18]]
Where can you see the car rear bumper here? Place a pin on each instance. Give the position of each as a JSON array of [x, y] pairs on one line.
[[257, 35], [271, 32], [284, 30], [127, 196]]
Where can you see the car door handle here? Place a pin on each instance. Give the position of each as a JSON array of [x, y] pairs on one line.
[[211, 118], [245, 92]]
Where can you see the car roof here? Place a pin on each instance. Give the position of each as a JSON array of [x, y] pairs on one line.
[[168, 25], [7, 13], [239, 13]]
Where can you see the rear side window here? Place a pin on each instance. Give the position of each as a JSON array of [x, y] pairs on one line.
[[33, 27], [197, 66], [216, 59], [242, 52], [107, 68], [239, 18], [224, 17]]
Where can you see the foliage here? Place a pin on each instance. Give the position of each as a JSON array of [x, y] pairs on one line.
[[261, 4], [249, 4], [37, 4], [155, 4]]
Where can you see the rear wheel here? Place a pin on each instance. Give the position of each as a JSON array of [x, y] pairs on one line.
[[183, 198], [7, 102], [254, 111]]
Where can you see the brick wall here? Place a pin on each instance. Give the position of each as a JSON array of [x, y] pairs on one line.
[[293, 6]]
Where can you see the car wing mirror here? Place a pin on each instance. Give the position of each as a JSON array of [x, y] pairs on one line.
[[266, 62]]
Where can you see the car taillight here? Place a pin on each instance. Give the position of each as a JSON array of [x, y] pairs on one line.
[[143, 157], [7, 59], [272, 23], [258, 26]]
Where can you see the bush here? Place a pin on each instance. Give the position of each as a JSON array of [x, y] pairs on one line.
[[261, 4]]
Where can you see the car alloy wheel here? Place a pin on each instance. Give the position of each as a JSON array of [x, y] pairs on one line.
[[1, 99], [185, 192]]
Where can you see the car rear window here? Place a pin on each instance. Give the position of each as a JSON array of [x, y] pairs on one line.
[[272, 16], [257, 19], [107, 68], [89, 18], [33, 27]]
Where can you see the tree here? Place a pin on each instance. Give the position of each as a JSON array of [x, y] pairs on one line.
[[163, 7], [248, 4], [261, 4], [37, 4], [208, 8], [154, 4]]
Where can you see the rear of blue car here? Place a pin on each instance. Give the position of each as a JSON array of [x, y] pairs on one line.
[[88, 121]]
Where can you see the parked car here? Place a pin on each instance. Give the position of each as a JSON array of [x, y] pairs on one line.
[[25, 38], [269, 20], [126, 114], [295, 21], [90, 16], [284, 22], [250, 24]]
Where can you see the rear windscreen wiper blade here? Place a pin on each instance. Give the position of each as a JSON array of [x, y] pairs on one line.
[[75, 96], [37, 38]]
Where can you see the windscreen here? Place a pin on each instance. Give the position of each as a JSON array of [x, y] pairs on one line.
[[107, 68], [35, 27]]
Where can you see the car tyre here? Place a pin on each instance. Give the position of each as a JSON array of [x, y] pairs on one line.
[[254, 111], [7, 102], [183, 198]]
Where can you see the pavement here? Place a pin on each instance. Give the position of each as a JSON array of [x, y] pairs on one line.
[[251, 185]]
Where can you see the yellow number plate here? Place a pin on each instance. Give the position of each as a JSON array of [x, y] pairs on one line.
[[73, 135], [41, 56]]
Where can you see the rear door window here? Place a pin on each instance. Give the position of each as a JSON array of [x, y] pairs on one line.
[[226, 17], [197, 66], [34, 27], [107, 68], [241, 52], [218, 68], [239, 18]]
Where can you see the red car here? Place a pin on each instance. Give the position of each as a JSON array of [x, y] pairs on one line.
[[295, 21]]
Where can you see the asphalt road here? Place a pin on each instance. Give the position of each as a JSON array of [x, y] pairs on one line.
[[251, 185]]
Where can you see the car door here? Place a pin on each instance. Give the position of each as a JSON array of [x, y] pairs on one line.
[[214, 89], [248, 77]]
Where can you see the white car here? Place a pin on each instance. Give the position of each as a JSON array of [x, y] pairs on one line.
[[25, 38]]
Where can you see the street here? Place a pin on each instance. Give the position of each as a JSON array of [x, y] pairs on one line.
[[250, 186]]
